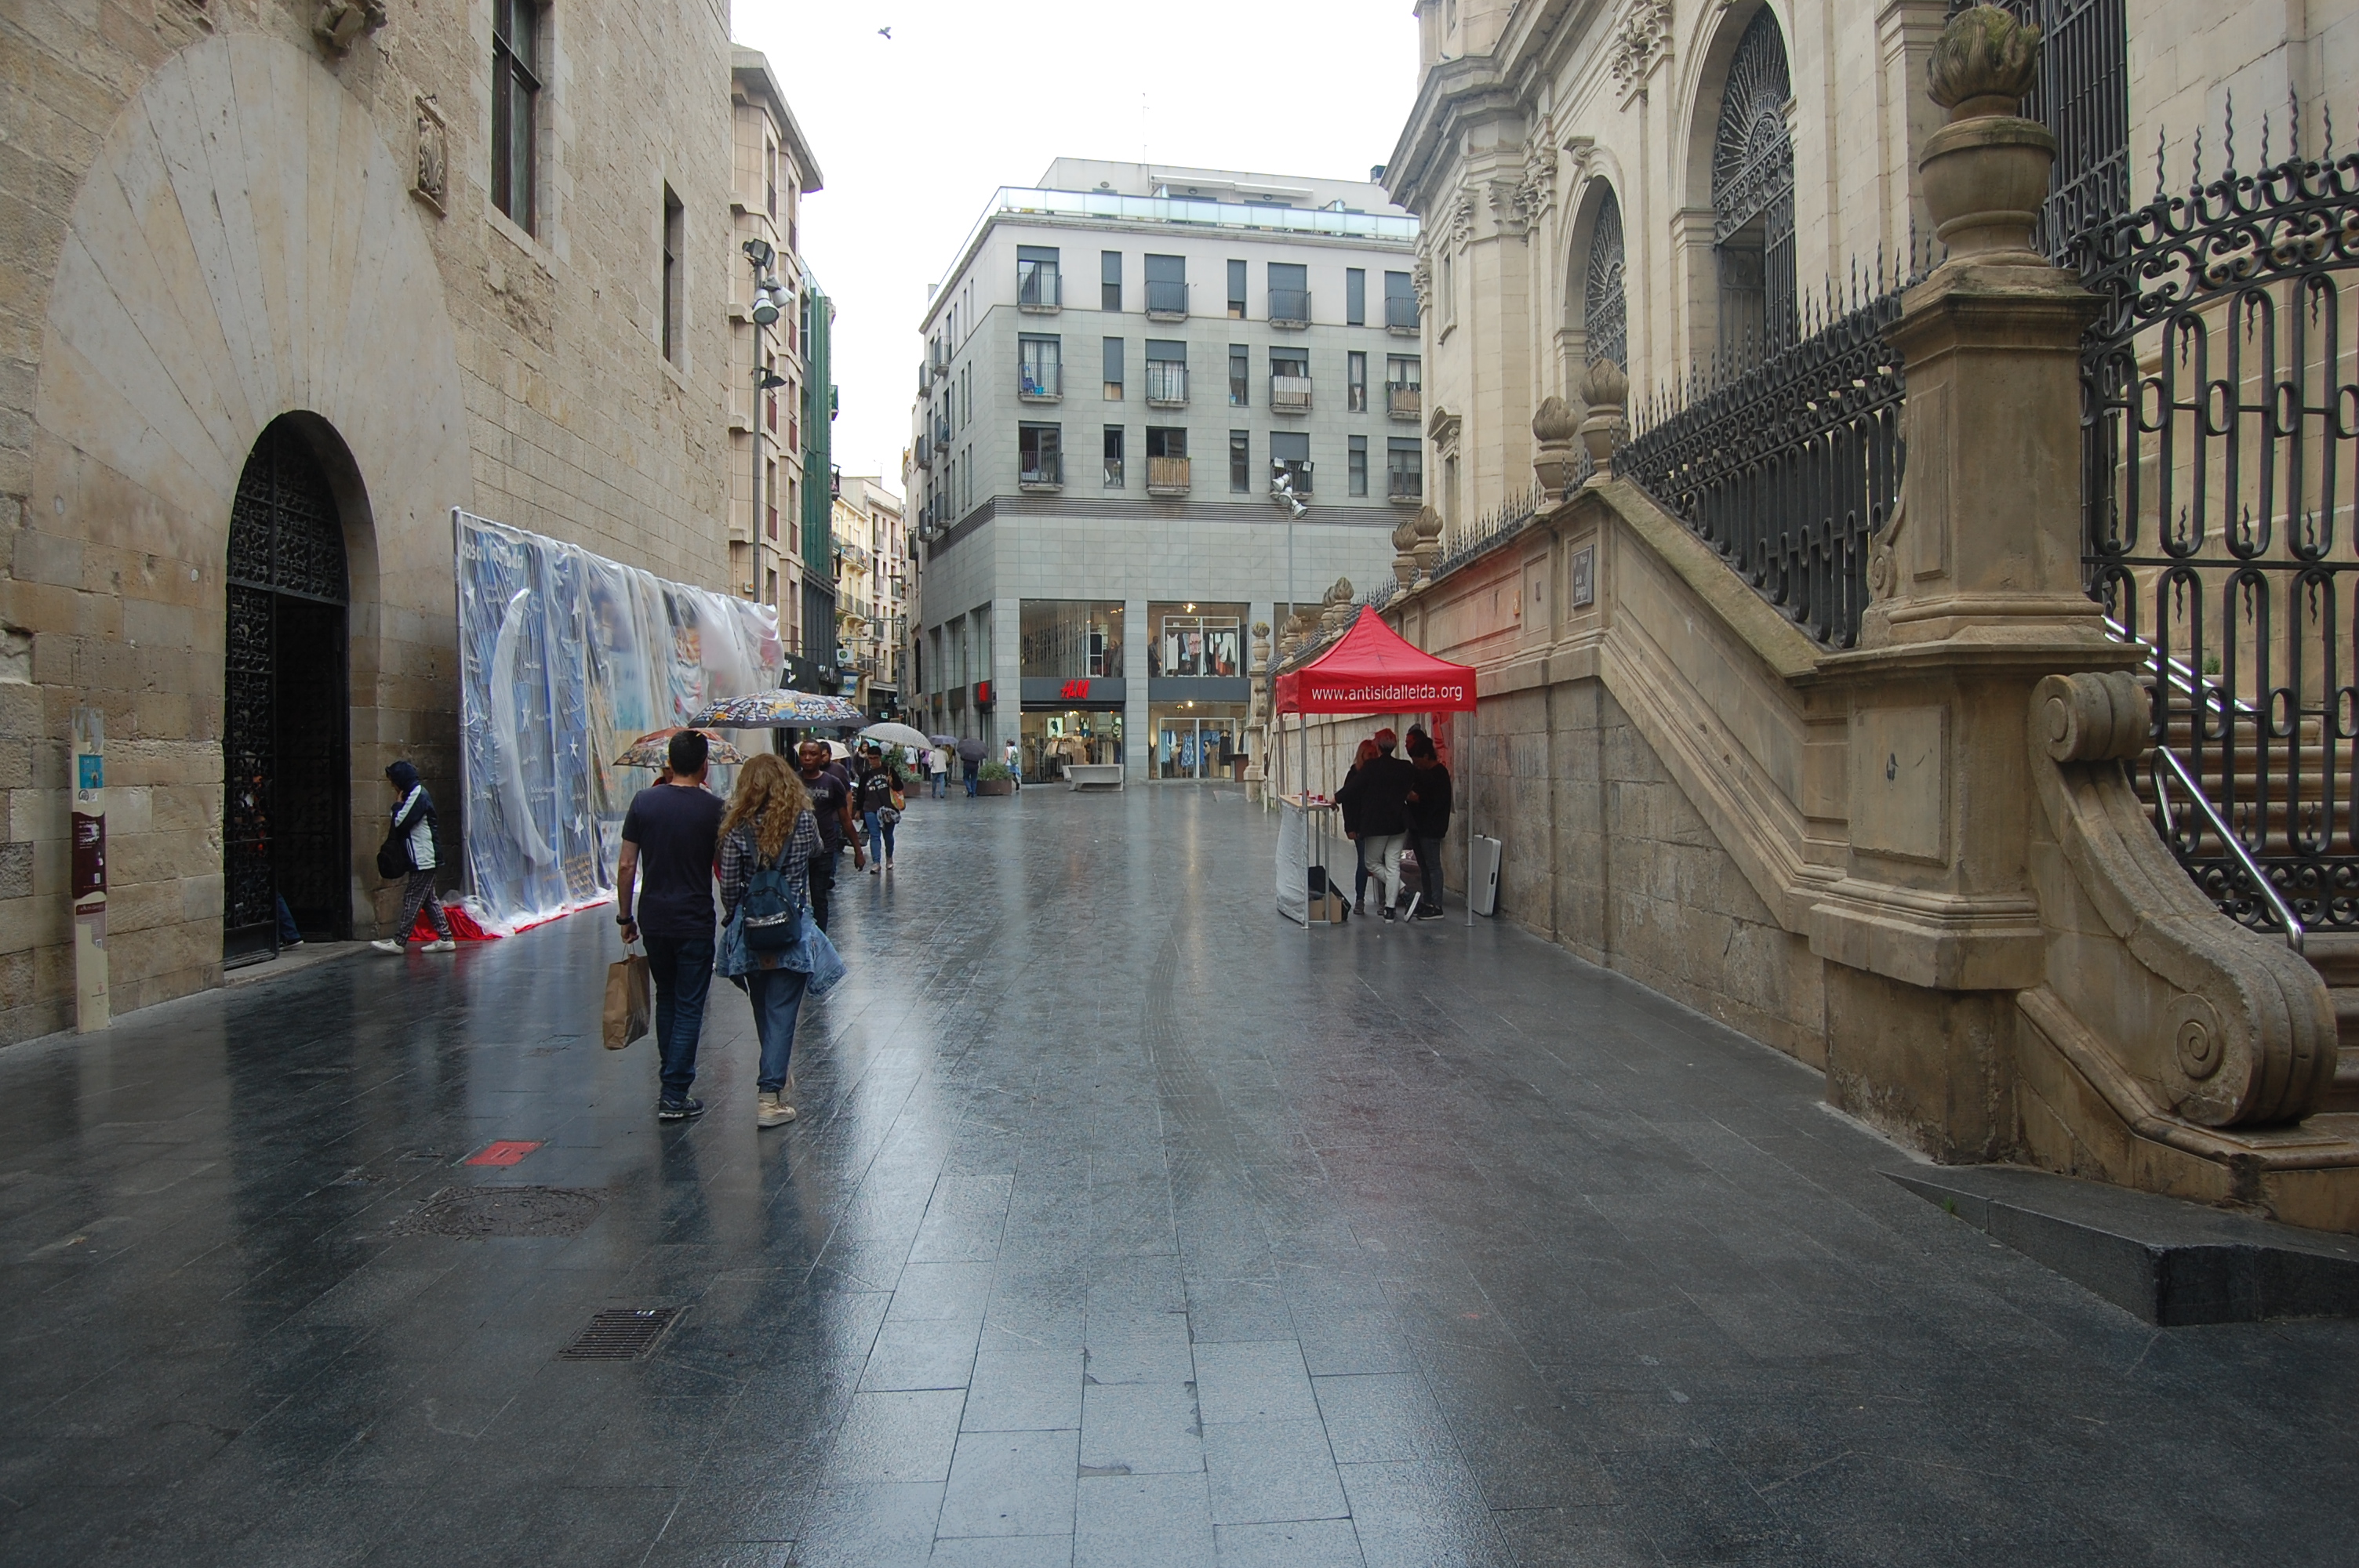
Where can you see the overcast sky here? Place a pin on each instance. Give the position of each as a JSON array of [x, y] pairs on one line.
[[914, 133]]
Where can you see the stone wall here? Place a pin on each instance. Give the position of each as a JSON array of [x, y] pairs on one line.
[[212, 219]]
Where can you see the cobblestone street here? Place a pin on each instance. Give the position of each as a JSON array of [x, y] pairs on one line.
[[1125, 1225]]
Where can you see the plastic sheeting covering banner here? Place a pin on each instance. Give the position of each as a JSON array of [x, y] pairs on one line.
[[565, 658]]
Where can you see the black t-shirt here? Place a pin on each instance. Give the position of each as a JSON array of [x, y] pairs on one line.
[[875, 790], [827, 794], [677, 831]]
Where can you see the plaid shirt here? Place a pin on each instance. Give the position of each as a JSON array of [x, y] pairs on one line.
[[740, 855]]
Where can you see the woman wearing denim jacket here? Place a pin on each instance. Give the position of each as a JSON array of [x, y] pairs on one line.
[[770, 823]]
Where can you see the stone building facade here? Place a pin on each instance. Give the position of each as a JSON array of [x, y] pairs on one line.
[[872, 557], [331, 270]]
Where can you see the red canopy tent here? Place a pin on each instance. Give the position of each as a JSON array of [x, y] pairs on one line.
[[1373, 669]]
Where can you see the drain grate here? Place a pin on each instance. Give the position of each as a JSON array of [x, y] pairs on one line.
[[622, 1334], [484, 1212]]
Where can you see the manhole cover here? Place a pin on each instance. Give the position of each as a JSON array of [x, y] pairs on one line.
[[506, 1211], [622, 1334]]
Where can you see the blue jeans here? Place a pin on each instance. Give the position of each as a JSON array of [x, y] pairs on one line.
[[778, 998], [880, 837], [939, 781], [681, 968], [972, 774]]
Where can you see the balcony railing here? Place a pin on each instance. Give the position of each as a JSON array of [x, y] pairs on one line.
[[1290, 308], [925, 450], [1289, 393], [1297, 473], [1166, 383], [1040, 384], [1167, 301], [1040, 289], [1041, 471], [1167, 476], [1404, 401], [1408, 488], [941, 433], [1400, 315]]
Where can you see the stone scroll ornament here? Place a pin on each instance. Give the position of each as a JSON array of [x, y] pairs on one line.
[[2217, 1025], [338, 24]]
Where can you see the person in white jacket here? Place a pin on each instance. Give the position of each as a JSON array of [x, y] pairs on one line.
[[413, 824]]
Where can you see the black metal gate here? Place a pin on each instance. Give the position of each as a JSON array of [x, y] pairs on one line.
[[285, 730], [2220, 441]]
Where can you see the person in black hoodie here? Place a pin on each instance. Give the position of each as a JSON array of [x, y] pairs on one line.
[[413, 827], [1428, 820], [1378, 801]]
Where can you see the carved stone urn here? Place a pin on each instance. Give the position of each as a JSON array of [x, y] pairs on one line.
[[1337, 614], [1553, 429], [1429, 543], [1606, 391], [1405, 551], [1985, 172]]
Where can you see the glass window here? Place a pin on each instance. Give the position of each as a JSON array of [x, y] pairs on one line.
[[1240, 375], [1400, 302], [1197, 740], [1167, 286], [1192, 639], [1237, 289], [1113, 356], [1290, 450], [1113, 456], [1355, 382], [1355, 296], [1040, 371], [1404, 469], [1357, 470], [515, 109], [1167, 370], [1039, 456], [1052, 740], [1035, 277], [1109, 280], [1071, 639], [1166, 442], [1289, 292], [1240, 462]]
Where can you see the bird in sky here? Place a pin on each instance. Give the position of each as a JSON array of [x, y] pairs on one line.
[[886, 33]]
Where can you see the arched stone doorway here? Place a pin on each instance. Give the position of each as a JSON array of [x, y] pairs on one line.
[[1753, 196], [285, 723]]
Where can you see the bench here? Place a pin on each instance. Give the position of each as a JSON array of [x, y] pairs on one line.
[[1079, 775]]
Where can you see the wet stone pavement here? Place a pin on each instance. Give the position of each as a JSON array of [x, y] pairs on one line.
[[1123, 1226]]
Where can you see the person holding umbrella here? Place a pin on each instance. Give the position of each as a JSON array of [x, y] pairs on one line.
[[972, 751]]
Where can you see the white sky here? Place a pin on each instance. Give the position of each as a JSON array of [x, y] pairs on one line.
[[915, 132]]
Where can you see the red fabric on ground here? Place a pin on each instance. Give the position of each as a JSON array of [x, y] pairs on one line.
[[462, 927]]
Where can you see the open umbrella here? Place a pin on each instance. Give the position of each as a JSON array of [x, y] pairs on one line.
[[972, 749], [838, 750], [778, 709], [896, 735], [653, 749], [943, 740]]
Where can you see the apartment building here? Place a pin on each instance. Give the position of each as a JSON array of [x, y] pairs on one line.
[[870, 550], [767, 367], [1120, 362]]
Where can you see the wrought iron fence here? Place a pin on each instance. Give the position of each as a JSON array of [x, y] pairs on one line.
[[2220, 389], [1788, 466], [1507, 518]]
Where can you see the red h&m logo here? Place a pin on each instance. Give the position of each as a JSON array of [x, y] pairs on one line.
[[1076, 691], [982, 694]]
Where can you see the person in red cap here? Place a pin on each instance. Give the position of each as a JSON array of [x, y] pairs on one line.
[[1378, 801]]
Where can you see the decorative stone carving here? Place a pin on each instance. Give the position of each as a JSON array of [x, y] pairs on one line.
[[1405, 551], [1259, 671], [433, 172], [1507, 208], [1985, 172], [1461, 221], [1428, 544], [1553, 429], [1421, 278], [1606, 392], [338, 24], [1536, 194], [1640, 40]]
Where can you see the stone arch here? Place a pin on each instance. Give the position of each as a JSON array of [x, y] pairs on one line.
[[1596, 301], [243, 246], [1739, 170]]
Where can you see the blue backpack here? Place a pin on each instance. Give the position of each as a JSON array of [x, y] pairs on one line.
[[773, 919]]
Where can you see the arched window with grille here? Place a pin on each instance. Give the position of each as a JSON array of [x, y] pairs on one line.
[[1604, 312], [1753, 195]]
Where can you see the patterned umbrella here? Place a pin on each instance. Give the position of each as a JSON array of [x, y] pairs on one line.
[[652, 749], [778, 709]]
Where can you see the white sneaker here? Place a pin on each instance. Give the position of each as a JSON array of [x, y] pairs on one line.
[[388, 945], [442, 944], [771, 1110]]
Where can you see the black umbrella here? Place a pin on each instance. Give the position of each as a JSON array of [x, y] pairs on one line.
[[972, 749]]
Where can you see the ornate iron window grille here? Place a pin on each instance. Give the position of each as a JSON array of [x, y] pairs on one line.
[[1753, 195], [2220, 389], [1788, 468], [1605, 309]]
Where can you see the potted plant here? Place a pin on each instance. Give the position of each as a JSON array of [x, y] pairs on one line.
[[995, 779]]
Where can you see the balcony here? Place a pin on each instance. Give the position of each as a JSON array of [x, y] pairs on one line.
[[1400, 315], [1289, 393], [1166, 383], [1167, 476], [1167, 301], [1290, 308], [1041, 383], [941, 434], [1407, 489], [925, 451], [1297, 473], [1043, 470], [1040, 291], [1404, 401]]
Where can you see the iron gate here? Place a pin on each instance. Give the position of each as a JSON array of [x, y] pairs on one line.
[[285, 740]]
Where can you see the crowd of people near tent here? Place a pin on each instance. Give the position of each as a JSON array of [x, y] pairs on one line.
[[1396, 809]]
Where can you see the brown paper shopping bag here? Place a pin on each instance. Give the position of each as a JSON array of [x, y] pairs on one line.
[[629, 999]]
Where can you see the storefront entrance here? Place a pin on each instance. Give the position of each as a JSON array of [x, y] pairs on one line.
[[1198, 741], [286, 760], [1053, 738]]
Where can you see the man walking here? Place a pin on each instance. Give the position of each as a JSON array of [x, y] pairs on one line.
[[1379, 803], [669, 837], [831, 803], [938, 768], [1428, 820]]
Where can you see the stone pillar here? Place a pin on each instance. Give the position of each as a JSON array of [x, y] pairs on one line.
[[1138, 743], [1257, 770], [1976, 596], [1606, 393]]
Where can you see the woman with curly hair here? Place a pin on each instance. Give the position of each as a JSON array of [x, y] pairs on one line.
[[769, 826]]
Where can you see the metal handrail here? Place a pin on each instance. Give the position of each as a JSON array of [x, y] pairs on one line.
[[2163, 757]]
